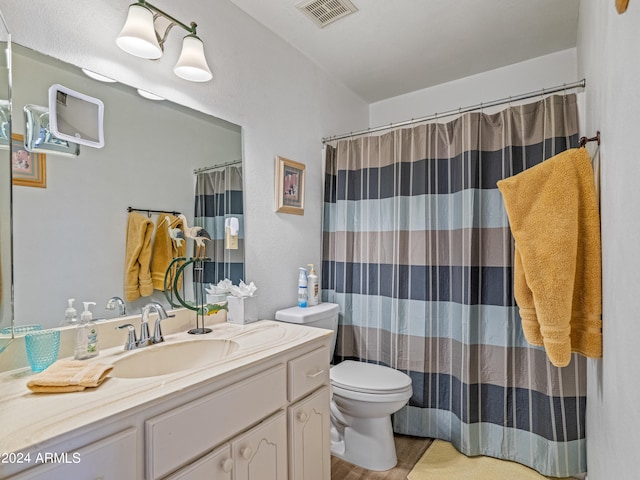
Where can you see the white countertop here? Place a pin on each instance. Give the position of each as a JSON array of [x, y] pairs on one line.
[[28, 419]]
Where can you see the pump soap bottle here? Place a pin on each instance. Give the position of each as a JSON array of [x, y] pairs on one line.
[[302, 287], [70, 314], [313, 289], [86, 335]]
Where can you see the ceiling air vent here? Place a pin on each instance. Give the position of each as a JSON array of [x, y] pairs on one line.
[[324, 12]]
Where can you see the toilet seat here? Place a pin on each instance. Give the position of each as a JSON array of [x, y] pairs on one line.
[[368, 378]]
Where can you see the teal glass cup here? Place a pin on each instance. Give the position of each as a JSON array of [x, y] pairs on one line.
[[42, 348]]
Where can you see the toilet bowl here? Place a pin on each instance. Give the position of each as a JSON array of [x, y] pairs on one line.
[[364, 396]]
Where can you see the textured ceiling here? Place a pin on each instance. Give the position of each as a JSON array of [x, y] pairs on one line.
[[392, 47]]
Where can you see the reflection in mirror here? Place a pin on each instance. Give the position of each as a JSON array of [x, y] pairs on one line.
[[70, 238], [38, 136], [219, 209], [6, 303], [75, 116]]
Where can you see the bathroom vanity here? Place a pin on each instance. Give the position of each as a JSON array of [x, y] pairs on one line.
[[259, 412]]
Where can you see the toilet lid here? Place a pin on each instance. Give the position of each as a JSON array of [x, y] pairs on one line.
[[368, 377]]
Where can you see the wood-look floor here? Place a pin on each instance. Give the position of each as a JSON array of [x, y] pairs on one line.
[[408, 449]]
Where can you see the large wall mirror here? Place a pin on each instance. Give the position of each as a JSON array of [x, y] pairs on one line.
[[70, 232], [6, 304]]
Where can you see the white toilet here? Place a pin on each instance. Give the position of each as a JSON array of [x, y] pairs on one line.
[[364, 397]]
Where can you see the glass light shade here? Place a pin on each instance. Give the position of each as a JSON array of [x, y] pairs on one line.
[[138, 36], [97, 76], [149, 95], [192, 64]]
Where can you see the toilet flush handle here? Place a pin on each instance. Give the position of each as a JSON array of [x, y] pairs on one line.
[[303, 417], [315, 374]]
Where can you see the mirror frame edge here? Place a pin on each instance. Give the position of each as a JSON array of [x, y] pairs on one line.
[[4, 343]]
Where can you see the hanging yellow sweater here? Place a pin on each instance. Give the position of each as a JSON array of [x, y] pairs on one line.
[[137, 270], [554, 218]]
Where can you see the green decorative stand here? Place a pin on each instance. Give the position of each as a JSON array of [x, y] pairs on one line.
[[199, 306]]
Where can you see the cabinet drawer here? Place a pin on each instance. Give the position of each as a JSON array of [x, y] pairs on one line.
[[185, 433], [308, 372], [112, 458]]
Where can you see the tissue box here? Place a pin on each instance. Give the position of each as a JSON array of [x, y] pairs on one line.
[[242, 310]]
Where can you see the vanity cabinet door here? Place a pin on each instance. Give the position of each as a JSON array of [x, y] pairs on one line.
[[218, 465], [112, 458], [310, 444], [261, 453], [182, 435]]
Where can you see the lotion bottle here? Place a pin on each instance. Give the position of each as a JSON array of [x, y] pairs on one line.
[[313, 289], [86, 335], [70, 314], [302, 287]]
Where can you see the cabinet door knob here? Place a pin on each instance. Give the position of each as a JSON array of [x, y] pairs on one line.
[[227, 465], [246, 453], [303, 416]]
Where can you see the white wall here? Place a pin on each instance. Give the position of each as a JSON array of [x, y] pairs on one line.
[[283, 101], [608, 58], [542, 72]]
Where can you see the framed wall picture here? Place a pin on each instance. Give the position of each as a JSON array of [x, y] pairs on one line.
[[289, 186], [27, 168]]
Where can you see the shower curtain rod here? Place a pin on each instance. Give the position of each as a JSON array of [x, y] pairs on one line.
[[544, 91], [213, 167]]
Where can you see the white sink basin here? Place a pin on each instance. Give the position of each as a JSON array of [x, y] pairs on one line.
[[167, 358]]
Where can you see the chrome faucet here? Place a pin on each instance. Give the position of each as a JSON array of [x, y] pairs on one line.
[[132, 341], [157, 330], [145, 339], [111, 305]]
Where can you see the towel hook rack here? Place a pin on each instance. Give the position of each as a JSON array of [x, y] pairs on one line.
[[584, 140], [149, 212]]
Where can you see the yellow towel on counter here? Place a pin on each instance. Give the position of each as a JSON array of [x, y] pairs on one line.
[[137, 273], [554, 218], [165, 250], [69, 376]]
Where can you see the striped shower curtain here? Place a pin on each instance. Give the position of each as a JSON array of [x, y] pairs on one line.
[[218, 197], [418, 253]]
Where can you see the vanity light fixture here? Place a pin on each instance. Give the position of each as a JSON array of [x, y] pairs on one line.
[[149, 95], [97, 76], [140, 38]]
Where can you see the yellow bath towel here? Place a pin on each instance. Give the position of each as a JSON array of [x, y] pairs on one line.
[[69, 376], [165, 249], [554, 218], [137, 273]]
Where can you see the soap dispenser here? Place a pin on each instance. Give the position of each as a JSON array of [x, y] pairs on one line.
[[86, 335], [302, 287], [70, 314], [313, 289]]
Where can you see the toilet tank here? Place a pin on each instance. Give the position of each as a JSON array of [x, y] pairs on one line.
[[323, 315]]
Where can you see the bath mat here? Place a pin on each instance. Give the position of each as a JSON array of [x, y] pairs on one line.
[[442, 461]]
